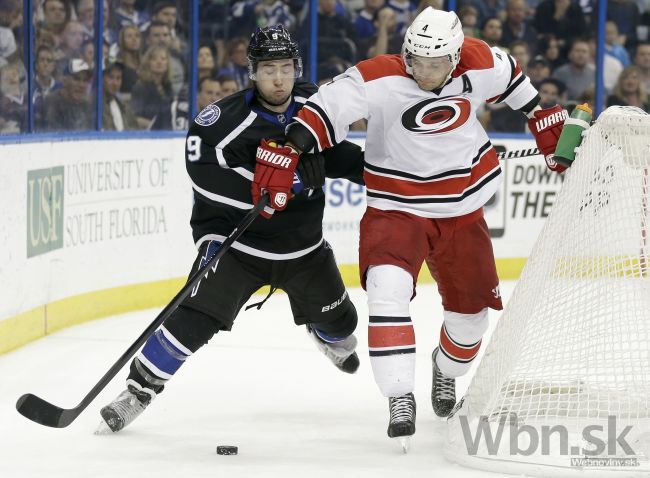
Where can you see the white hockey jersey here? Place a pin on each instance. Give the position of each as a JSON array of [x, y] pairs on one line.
[[426, 152]]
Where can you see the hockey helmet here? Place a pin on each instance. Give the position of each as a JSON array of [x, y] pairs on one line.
[[433, 33], [272, 43]]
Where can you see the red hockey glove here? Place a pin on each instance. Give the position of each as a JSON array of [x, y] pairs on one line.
[[274, 174], [546, 126]]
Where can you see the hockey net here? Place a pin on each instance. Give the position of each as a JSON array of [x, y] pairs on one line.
[[572, 348]]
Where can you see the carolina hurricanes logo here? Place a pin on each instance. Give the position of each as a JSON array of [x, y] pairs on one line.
[[437, 115]]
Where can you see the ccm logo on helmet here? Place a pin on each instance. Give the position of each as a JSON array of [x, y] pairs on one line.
[[436, 116]]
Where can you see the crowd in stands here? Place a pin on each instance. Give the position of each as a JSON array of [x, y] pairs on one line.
[[146, 52]]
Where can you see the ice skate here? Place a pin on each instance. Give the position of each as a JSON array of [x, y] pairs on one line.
[[402, 419], [443, 390], [125, 408], [341, 353]]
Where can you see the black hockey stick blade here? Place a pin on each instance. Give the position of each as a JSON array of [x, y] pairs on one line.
[[44, 413]]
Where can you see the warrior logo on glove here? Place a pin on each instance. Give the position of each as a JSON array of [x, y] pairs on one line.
[[274, 174], [546, 126]]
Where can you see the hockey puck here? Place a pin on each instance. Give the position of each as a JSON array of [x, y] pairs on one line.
[[226, 450]]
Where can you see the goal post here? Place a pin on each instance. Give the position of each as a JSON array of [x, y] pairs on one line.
[[563, 388]]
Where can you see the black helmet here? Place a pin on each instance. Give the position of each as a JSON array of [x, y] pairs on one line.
[[272, 43]]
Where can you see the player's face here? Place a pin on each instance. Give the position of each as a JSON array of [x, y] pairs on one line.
[[430, 73], [275, 80]]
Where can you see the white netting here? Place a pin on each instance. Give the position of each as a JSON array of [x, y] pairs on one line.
[[573, 345]]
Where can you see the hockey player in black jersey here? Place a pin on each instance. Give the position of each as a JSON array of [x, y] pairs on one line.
[[286, 251]]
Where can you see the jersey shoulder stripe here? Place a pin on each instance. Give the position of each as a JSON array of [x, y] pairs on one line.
[[382, 66], [474, 55]]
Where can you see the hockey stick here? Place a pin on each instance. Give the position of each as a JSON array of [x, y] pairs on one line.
[[44, 413], [519, 153]]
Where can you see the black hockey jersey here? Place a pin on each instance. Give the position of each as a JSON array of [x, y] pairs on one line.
[[220, 159]]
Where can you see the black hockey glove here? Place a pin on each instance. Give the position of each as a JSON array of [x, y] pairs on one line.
[[311, 168]]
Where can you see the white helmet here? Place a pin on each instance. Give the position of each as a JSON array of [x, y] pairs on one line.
[[434, 33]]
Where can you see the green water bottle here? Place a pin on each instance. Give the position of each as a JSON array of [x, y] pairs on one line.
[[571, 136]]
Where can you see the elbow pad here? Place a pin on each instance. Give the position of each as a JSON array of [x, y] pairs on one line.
[[298, 135]]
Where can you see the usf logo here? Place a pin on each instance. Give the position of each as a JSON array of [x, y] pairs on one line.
[[44, 210]]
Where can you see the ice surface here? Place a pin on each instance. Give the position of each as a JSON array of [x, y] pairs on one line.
[[263, 387]]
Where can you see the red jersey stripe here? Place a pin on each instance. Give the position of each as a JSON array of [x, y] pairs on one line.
[[313, 119], [450, 186]]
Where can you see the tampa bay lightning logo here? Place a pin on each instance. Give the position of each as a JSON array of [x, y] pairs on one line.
[[208, 115], [437, 115]]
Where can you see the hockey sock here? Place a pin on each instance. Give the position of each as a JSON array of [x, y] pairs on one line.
[[460, 341], [159, 360], [391, 338]]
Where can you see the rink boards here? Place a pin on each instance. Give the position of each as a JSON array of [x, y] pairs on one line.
[[92, 228]]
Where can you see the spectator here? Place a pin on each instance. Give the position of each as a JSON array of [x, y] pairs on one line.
[[626, 16], [561, 18], [613, 44], [516, 27], [13, 104], [44, 81], [152, 94], [578, 74], [612, 67], [166, 12], [72, 38], [336, 34], [488, 9], [538, 70], [116, 115], [365, 21], [158, 34], [87, 52], [126, 14], [405, 10], [551, 92], [642, 60], [7, 37], [237, 66], [130, 43], [274, 12], [70, 108], [519, 50], [468, 16], [388, 39], [629, 90], [56, 13], [491, 31], [204, 62], [228, 85], [86, 16], [209, 91], [549, 48]]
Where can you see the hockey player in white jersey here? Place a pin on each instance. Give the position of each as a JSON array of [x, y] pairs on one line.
[[430, 168]]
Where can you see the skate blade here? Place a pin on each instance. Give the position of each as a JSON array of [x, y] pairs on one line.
[[405, 443], [103, 429]]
